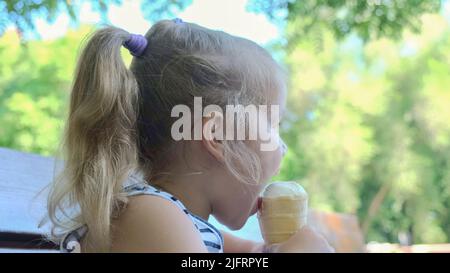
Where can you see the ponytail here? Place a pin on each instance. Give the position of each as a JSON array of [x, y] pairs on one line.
[[99, 142]]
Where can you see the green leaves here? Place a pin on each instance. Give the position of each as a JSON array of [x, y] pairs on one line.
[[34, 87], [22, 13], [371, 19], [370, 133]]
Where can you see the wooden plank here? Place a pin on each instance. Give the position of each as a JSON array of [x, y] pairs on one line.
[[16, 240], [17, 250], [22, 177]]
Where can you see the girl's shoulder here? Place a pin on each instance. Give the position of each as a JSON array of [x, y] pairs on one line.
[[211, 236], [148, 223], [153, 224], [154, 220]]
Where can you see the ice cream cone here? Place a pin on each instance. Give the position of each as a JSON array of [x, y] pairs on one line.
[[283, 211]]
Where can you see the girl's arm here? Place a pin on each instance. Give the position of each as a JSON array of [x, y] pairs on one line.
[[233, 244], [305, 240]]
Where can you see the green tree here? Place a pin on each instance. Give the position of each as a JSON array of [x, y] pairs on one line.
[[22, 13], [368, 129], [369, 19], [35, 79], [34, 83]]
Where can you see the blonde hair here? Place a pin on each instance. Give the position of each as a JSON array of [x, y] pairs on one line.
[[119, 119]]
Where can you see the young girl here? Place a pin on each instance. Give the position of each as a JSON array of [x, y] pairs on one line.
[[127, 184]]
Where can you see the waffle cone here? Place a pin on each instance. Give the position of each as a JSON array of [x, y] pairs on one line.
[[280, 217]]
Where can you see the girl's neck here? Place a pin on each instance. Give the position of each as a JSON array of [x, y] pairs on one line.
[[190, 193]]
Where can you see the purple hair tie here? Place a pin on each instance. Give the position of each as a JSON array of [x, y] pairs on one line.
[[136, 44]]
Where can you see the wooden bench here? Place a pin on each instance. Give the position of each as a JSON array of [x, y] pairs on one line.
[[23, 176]]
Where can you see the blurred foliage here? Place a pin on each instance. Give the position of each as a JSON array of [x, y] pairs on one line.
[[368, 18], [34, 83], [22, 13], [35, 80], [367, 123], [368, 129]]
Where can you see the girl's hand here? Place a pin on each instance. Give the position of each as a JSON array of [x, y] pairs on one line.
[[305, 240]]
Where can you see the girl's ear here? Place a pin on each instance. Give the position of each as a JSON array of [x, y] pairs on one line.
[[212, 137]]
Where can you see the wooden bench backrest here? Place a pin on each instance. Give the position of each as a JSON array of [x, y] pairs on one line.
[[22, 177]]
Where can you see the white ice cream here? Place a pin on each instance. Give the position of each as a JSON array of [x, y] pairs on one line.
[[277, 189], [283, 211]]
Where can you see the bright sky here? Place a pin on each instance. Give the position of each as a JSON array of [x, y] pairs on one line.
[[230, 16]]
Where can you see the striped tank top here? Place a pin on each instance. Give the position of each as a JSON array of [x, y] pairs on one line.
[[212, 238]]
